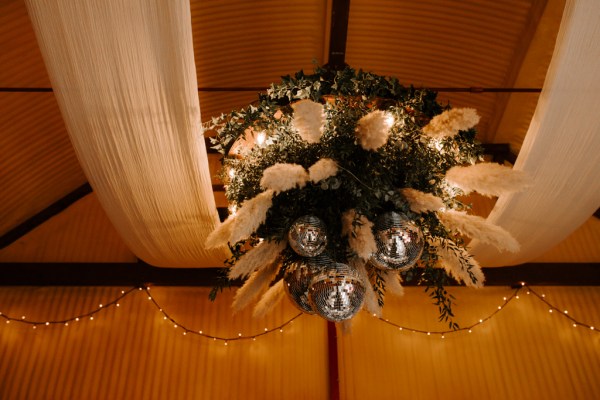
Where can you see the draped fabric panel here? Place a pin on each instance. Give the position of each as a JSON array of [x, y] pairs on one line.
[[560, 152], [124, 77]]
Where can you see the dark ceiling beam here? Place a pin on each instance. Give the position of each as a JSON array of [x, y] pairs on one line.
[[135, 274], [526, 38], [338, 34], [44, 215]]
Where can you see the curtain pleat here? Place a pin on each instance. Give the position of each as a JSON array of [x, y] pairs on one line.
[[124, 77], [560, 152]]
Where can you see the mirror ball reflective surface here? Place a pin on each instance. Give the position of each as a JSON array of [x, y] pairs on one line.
[[308, 236], [337, 293], [399, 242]]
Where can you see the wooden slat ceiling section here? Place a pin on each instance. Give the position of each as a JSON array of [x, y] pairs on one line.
[[523, 352], [445, 44], [252, 44], [132, 352], [81, 233]]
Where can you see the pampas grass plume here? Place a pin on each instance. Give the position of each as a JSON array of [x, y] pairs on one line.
[[269, 300], [421, 202], [448, 123], [360, 236], [309, 120], [392, 283], [258, 257], [489, 179], [371, 304], [474, 226], [281, 177], [250, 216], [373, 130], [322, 169], [254, 286], [450, 261]]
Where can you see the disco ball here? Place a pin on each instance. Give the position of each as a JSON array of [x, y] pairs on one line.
[[308, 236], [399, 242], [298, 276], [337, 293]]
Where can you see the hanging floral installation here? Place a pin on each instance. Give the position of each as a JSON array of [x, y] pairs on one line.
[[344, 184]]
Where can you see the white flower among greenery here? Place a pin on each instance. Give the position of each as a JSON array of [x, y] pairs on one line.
[[373, 130], [309, 120]]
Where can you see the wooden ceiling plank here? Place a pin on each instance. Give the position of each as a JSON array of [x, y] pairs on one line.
[[529, 31], [54, 209], [338, 34]]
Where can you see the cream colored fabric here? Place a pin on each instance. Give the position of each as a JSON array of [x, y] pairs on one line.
[[561, 152], [124, 76]]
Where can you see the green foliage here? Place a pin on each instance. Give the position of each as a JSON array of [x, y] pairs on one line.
[[368, 181]]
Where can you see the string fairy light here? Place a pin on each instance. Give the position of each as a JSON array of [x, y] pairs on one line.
[[224, 339], [553, 309]]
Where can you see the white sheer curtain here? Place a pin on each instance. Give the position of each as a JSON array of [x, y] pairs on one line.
[[124, 77], [561, 151]]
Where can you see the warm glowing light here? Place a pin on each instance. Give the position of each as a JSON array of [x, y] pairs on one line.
[[389, 120], [231, 173], [260, 138], [47, 323], [566, 312], [100, 305]]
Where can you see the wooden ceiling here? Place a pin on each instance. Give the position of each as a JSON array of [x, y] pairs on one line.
[[241, 46]]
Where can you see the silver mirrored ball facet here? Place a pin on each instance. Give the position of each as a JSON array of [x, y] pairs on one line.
[[336, 293], [298, 277], [308, 236], [399, 242], [296, 281]]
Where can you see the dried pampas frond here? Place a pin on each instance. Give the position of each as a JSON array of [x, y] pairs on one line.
[[371, 304], [476, 227], [269, 300], [263, 254], [254, 286], [489, 179], [373, 130], [421, 202], [281, 177], [250, 216], [392, 283], [220, 235], [309, 120], [458, 263], [322, 169], [239, 226], [448, 123], [360, 234]]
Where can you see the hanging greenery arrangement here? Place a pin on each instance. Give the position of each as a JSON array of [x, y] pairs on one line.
[[343, 184]]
